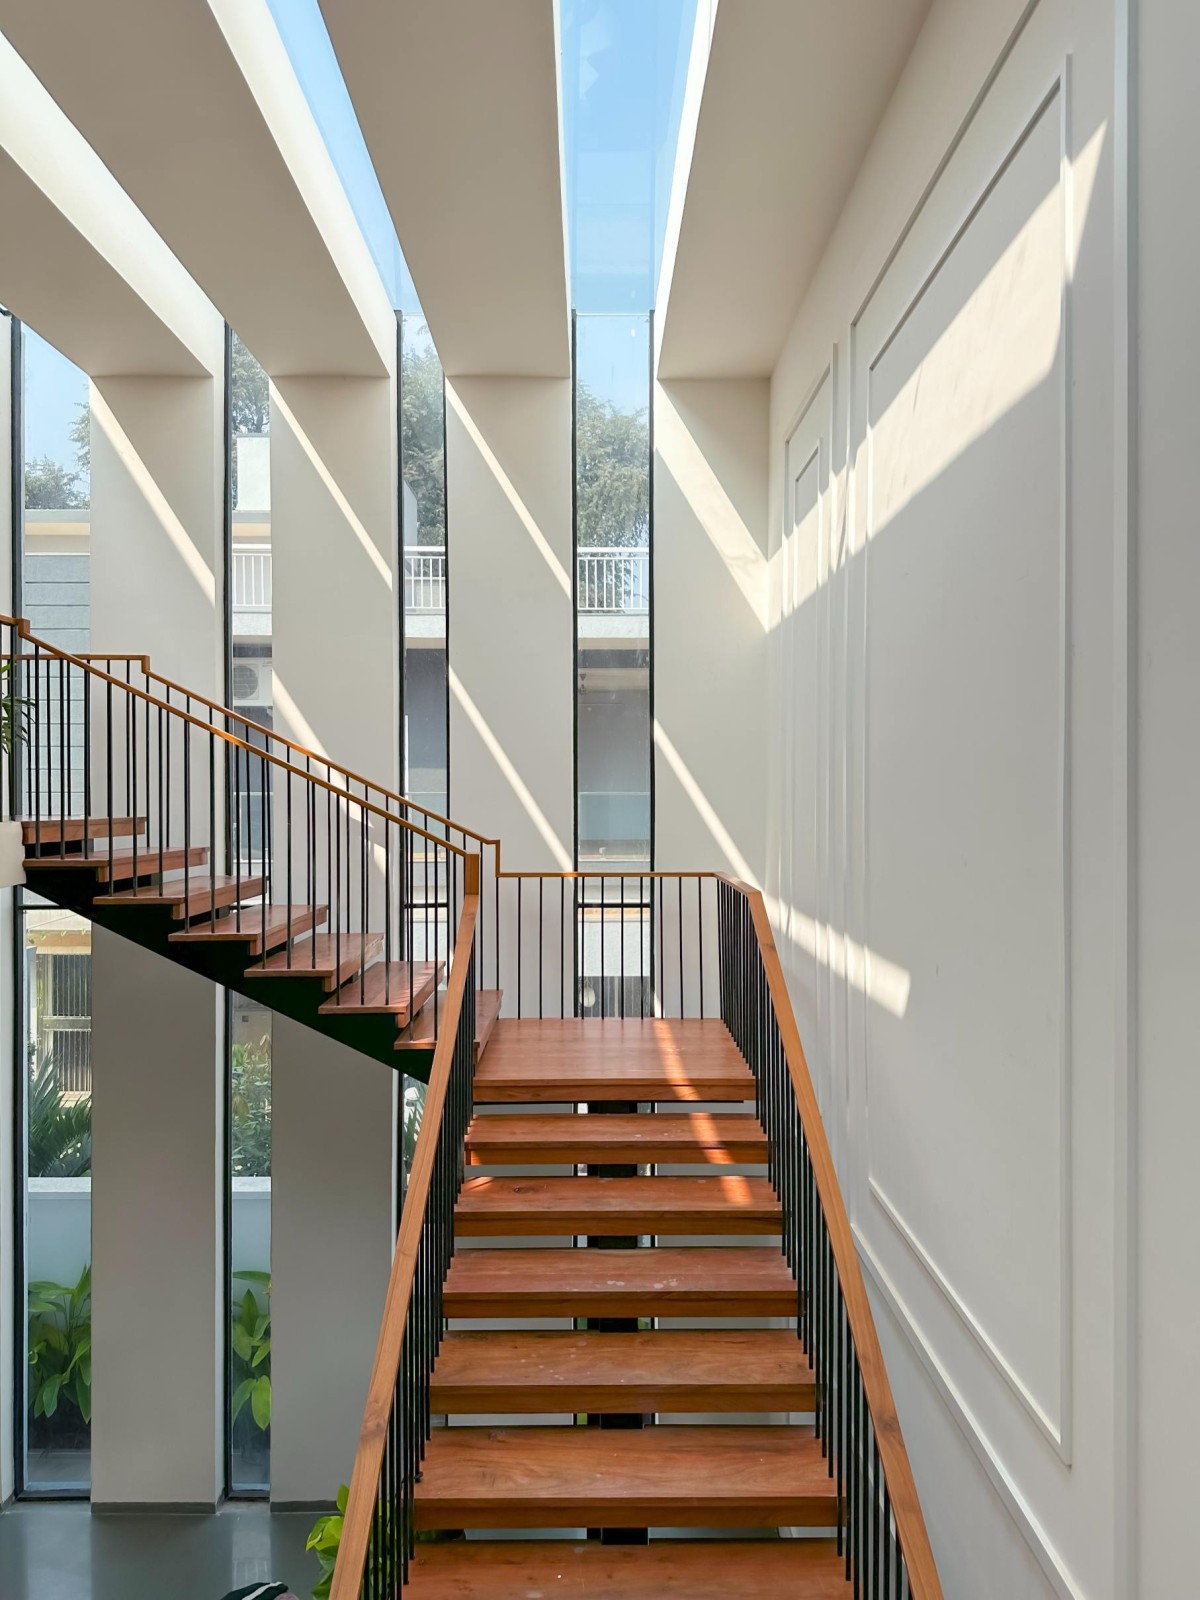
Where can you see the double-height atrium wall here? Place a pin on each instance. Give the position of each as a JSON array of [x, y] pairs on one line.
[[947, 798]]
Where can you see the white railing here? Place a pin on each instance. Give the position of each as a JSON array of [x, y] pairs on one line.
[[424, 577], [614, 579], [252, 585]]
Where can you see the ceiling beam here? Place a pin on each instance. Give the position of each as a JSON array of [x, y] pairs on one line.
[[197, 113], [782, 103], [458, 101]]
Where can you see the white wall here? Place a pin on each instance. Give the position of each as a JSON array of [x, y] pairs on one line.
[[710, 622], [331, 1247], [336, 666], [945, 640], [7, 997], [1164, 1103], [508, 454], [157, 1201]]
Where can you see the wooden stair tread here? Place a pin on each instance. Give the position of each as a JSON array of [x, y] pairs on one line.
[[669, 1281], [332, 958], [592, 1059], [487, 1011], [696, 1136], [150, 863], [72, 830], [384, 990], [736, 1369], [663, 1476], [725, 1204], [299, 919], [202, 895], [664, 1569]]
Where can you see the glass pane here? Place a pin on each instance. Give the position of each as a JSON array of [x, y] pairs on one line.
[[57, 977], [56, 540], [624, 72], [613, 588], [250, 1247], [422, 444], [251, 676]]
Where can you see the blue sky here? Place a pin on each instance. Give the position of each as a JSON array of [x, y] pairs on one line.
[[623, 69]]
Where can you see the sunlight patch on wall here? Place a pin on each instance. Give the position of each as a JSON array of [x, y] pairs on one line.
[[157, 501]]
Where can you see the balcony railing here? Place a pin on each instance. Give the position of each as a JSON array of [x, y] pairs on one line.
[[612, 580]]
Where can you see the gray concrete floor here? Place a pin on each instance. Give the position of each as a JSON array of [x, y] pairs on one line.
[[64, 1552]]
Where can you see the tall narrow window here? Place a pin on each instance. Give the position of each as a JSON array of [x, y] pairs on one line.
[[248, 1385], [249, 1247], [423, 522], [614, 768], [56, 1003], [251, 682], [55, 1068]]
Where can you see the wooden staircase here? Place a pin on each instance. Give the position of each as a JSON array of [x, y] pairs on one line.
[[282, 955], [625, 1309], [529, 1439]]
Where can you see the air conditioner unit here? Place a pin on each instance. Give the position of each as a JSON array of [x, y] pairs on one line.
[[252, 683]]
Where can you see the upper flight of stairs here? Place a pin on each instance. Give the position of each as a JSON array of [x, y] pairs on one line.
[[619, 1418], [170, 901]]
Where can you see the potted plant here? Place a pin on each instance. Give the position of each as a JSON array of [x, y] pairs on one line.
[[14, 730]]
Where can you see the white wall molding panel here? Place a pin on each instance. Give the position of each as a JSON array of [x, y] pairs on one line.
[[942, 863], [200, 119], [710, 624], [482, 107], [508, 453], [792, 95]]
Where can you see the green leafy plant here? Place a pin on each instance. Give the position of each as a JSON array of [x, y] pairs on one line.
[[251, 1343], [60, 1349], [325, 1540], [14, 712], [60, 1128]]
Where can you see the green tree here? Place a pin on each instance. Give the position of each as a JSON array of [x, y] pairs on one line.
[[50, 486], [249, 392], [422, 417], [81, 438], [60, 1130], [612, 466]]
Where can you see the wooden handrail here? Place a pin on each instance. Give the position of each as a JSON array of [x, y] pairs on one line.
[[281, 738], [368, 1458], [906, 1506], [51, 651]]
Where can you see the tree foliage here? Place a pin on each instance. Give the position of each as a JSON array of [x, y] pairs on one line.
[[422, 441], [612, 464], [250, 1103], [50, 486], [249, 393]]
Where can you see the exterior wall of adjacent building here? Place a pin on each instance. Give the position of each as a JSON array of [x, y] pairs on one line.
[[946, 791]]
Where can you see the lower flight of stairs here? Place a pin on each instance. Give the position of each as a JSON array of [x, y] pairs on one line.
[[691, 1448], [285, 956]]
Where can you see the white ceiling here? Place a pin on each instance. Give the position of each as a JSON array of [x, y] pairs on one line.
[[793, 93], [194, 108], [458, 102]]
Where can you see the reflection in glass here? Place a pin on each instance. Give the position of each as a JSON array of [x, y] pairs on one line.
[[56, 970]]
